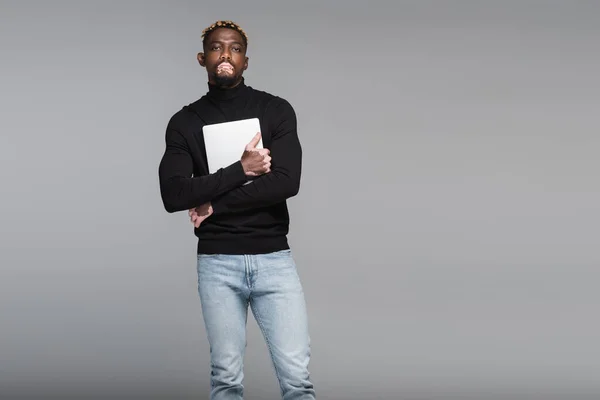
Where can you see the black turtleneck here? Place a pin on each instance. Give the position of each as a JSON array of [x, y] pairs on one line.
[[247, 219]]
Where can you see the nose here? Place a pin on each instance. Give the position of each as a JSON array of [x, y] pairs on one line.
[[226, 55]]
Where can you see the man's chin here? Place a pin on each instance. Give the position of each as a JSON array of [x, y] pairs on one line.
[[225, 80]]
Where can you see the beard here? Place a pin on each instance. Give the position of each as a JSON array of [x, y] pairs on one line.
[[225, 80]]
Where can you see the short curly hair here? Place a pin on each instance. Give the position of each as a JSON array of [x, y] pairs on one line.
[[224, 24]]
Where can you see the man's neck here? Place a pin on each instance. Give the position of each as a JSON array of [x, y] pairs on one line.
[[226, 92]]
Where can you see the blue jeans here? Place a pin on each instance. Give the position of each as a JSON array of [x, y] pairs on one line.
[[270, 285]]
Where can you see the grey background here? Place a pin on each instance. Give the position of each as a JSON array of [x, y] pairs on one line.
[[446, 230]]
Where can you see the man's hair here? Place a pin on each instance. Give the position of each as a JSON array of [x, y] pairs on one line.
[[224, 24]]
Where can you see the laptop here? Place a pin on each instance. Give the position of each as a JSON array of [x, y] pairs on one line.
[[225, 142]]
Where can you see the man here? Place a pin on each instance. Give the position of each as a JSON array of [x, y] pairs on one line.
[[244, 258]]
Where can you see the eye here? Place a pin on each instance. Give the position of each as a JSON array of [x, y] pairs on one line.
[[215, 47], [238, 49]]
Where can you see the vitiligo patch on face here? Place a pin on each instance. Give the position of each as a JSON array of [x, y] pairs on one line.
[[225, 67]]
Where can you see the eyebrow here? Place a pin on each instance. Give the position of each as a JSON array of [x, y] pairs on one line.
[[221, 42]]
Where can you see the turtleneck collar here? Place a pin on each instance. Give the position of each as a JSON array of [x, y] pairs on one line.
[[226, 94]]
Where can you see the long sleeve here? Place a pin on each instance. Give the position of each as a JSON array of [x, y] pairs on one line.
[[179, 190], [283, 181]]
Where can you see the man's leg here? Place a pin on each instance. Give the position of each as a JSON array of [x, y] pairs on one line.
[[223, 290], [278, 305]]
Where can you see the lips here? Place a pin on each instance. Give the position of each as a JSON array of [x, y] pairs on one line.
[[225, 67]]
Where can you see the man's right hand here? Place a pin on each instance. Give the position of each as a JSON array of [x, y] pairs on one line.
[[256, 161]]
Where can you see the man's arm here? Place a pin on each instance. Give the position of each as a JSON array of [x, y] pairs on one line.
[[282, 182], [179, 190]]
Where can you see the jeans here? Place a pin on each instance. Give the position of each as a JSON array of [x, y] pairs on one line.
[[270, 285]]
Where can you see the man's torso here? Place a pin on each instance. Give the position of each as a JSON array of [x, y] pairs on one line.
[[255, 231]]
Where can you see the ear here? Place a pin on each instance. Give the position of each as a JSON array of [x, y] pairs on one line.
[[246, 64], [201, 59]]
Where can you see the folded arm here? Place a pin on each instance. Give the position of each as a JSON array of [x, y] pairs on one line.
[[282, 182], [179, 190]]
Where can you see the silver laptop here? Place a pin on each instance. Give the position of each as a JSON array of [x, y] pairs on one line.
[[225, 142]]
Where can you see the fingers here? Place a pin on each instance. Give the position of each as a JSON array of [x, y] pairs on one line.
[[194, 217], [199, 214], [257, 161], [264, 152], [266, 159], [254, 141], [196, 220]]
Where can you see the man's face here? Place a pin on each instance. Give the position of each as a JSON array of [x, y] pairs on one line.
[[224, 57]]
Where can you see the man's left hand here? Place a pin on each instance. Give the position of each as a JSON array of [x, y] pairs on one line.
[[200, 213]]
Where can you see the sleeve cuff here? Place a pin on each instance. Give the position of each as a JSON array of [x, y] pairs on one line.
[[236, 172], [238, 177]]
